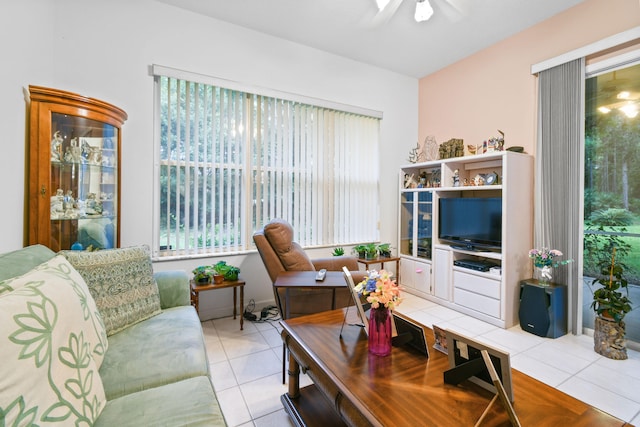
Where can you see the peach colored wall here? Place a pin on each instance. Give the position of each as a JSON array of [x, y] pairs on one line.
[[494, 89]]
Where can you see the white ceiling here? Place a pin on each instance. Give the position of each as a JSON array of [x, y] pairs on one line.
[[354, 29]]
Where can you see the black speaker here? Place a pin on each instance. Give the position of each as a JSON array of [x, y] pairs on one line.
[[543, 309]]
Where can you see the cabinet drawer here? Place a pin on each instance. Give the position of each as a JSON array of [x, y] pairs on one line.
[[477, 302], [476, 284]]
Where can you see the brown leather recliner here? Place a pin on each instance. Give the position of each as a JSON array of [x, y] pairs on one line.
[[280, 253]]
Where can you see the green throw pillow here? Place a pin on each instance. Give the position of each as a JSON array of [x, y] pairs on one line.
[[121, 282], [51, 336]]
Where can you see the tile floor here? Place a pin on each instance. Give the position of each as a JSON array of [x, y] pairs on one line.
[[246, 365]]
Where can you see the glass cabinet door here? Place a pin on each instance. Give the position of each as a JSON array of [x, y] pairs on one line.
[[84, 208], [406, 223], [415, 223], [423, 225], [74, 177]]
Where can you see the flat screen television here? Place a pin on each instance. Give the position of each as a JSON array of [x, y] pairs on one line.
[[471, 223]]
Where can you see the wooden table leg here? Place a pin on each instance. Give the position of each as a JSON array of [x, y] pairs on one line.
[[235, 302], [241, 306], [294, 377], [196, 304]]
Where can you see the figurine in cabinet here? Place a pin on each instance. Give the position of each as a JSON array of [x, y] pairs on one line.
[[91, 154], [74, 152], [57, 204], [56, 147], [70, 206]]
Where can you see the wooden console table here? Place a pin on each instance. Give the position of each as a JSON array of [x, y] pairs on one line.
[[196, 289], [382, 261], [354, 388]]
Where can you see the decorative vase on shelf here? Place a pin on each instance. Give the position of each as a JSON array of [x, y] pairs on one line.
[[545, 274], [380, 331]]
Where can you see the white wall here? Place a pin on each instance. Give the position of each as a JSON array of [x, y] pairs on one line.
[[24, 59], [103, 49]]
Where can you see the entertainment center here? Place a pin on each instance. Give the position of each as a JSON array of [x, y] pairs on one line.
[[465, 229]]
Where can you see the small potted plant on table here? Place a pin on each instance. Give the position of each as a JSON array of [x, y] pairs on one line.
[[371, 251], [229, 272], [203, 275], [360, 250], [384, 249]]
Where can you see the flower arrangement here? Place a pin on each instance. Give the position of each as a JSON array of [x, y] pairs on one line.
[[544, 257], [380, 290]]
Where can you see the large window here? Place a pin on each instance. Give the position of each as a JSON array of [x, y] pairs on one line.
[[612, 180], [228, 161]]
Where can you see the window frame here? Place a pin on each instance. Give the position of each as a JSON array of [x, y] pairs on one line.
[[346, 158]]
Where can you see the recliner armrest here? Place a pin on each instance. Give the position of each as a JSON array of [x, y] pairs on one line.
[[174, 288], [335, 263]]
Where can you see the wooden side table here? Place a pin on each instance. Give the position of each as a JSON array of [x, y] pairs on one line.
[[196, 289], [382, 261]]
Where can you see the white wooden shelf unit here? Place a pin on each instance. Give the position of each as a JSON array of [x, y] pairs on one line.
[[427, 264]]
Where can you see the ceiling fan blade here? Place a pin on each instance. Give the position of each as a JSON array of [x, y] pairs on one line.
[[453, 10], [384, 15]]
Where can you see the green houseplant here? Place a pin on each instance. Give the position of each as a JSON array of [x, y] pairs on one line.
[[228, 271], [370, 250], [360, 250], [609, 301], [203, 274], [338, 251], [611, 306], [384, 249]]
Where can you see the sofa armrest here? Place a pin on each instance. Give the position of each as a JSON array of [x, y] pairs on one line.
[[335, 263], [174, 288]]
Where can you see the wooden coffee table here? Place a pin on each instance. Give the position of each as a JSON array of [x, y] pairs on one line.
[[354, 388]]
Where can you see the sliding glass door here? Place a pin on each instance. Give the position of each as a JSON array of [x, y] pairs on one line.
[[612, 181]]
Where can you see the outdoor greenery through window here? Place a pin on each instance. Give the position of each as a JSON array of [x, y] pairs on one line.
[[229, 161], [612, 179]]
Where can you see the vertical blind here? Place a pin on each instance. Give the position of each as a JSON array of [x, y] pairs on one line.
[[229, 161], [559, 172]]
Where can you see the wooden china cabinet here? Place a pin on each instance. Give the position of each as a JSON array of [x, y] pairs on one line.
[[74, 171]]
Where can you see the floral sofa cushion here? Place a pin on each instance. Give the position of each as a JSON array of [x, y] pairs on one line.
[[52, 337], [121, 282]]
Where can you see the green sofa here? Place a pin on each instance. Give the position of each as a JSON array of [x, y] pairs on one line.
[[154, 371]]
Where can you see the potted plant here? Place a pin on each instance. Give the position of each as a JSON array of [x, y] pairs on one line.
[[611, 305], [218, 277], [360, 250], [232, 273], [371, 250], [203, 275], [385, 250], [228, 271], [338, 251]]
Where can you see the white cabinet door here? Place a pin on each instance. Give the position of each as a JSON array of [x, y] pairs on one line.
[[407, 270], [416, 275], [442, 266], [422, 277]]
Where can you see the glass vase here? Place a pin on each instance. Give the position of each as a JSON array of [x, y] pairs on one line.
[[380, 331], [545, 274]]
